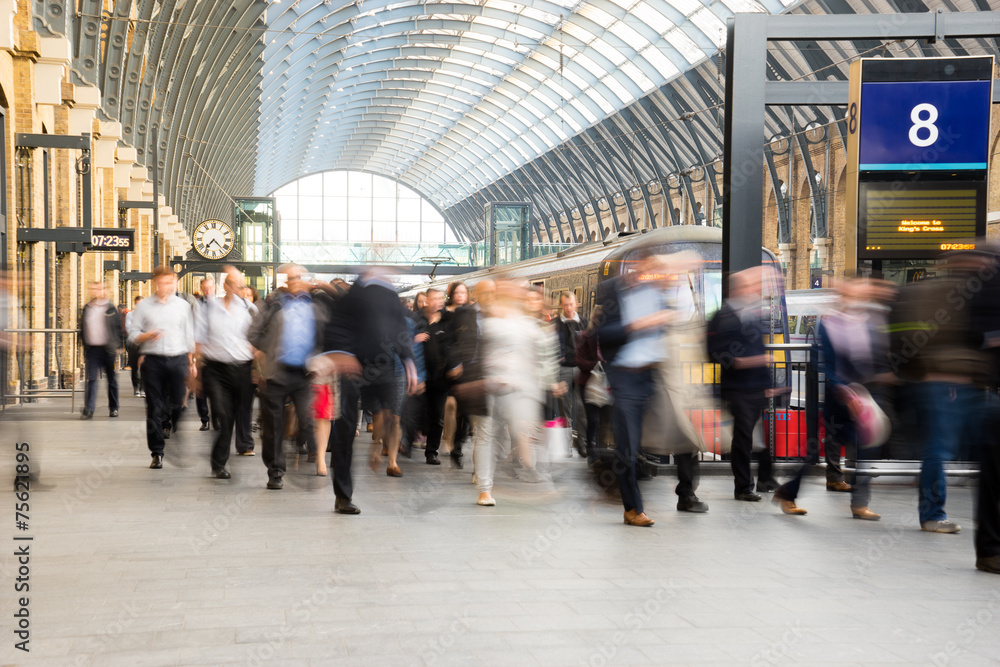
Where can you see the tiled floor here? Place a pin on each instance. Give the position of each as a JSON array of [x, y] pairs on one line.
[[131, 566]]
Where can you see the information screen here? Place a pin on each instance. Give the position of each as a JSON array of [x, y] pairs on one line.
[[920, 220], [926, 125], [117, 239]]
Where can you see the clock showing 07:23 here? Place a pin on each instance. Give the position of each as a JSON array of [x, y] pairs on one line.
[[213, 239]]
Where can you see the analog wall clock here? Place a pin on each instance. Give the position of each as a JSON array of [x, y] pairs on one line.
[[213, 239]]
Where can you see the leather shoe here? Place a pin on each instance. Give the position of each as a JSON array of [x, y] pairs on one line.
[[157, 462], [204, 426], [248, 452], [113, 413], [638, 519], [767, 485], [222, 473], [457, 460], [345, 506], [988, 564], [788, 506], [838, 486], [748, 496], [433, 460], [691, 504], [864, 514], [86, 415], [166, 434], [275, 483], [393, 471]]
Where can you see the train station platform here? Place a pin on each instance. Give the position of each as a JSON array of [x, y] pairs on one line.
[[132, 566]]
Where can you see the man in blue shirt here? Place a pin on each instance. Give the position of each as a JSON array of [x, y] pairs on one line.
[[285, 334]]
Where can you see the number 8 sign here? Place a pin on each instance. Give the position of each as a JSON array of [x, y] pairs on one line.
[[924, 125]]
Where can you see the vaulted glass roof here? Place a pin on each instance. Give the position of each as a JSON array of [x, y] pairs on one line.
[[447, 97]]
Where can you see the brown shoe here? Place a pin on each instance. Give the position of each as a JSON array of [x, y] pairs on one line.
[[393, 471], [838, 486], [864, 514], [788, 506], [311, 458], [633, 519]]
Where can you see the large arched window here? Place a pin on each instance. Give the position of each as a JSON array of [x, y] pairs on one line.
[[354, 208]]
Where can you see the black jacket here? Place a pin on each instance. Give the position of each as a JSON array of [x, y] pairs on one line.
[[611, 334], [467, 351], [728, 338], [370, 323], [569, 333], [113, 321], [437, 351]]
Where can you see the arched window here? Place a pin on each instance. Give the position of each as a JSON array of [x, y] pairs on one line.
[[356, 207]]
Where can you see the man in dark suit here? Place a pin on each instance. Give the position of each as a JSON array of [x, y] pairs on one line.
[[101, 333], [735, 341], [367, 331]]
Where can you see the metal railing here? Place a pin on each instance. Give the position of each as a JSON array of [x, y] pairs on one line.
[[28, 393]]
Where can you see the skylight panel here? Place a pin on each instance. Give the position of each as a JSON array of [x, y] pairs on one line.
[[573, 30], [637, 75], [597, 15], [685, 45], [584, 110], [539, 15], [710, 24], [628, 34], [567, 118], [664, 66], [606, 107], [614, 55], [618, 89], [654, 19]]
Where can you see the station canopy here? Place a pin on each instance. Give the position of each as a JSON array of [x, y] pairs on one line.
[[567, 104]]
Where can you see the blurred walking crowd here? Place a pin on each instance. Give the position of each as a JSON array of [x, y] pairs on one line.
[[516, 383]]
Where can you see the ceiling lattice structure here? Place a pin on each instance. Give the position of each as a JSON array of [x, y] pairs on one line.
[[569, 104]]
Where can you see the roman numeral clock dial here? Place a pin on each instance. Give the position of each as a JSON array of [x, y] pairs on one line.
[[213, 239]]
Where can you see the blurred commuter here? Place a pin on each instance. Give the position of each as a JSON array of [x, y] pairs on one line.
[[635, 315], [414, 417], [935, 348], [457, 426], [163, 328], [851, 341], [735, 341], [325, 384], [985, 313], [519, 366], [132, 352], [201, 393], [366, 336], [221, 337], [440, 368], [286, 332], [101, 333], [587, 357], [568, 328]]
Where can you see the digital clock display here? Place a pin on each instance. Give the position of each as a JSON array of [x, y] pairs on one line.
[[117, 240], [919, 220]]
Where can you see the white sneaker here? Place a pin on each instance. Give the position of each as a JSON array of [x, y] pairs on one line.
[[942, 526]]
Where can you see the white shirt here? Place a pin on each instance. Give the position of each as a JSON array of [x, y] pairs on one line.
[[222, 332], [173, 319], [97, 327]]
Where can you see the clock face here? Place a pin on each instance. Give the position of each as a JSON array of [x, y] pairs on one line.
[[213, 239]]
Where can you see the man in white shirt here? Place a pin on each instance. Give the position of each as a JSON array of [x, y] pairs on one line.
[[163, 327], [222, 347], [100, 331]]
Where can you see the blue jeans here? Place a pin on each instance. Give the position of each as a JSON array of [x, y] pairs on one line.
[[632, 392], [98, 359], [950, 414]]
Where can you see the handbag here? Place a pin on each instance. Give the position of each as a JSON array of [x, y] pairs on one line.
[[597, 390]]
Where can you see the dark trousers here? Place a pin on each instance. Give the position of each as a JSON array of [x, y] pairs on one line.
[[988, 505], [225, 385], [632, 392], [434, 402], [132, 352], [97, 358], [244, 414], [746, 407], [840, 434], [201, 401], [688, 473], [593, 413], [288, 382], [163, 378], [413, 419], [341, 443]]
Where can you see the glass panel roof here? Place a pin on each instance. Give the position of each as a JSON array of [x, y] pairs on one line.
[[403, 88]]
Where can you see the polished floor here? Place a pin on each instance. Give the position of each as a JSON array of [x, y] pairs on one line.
[[131, 566]]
